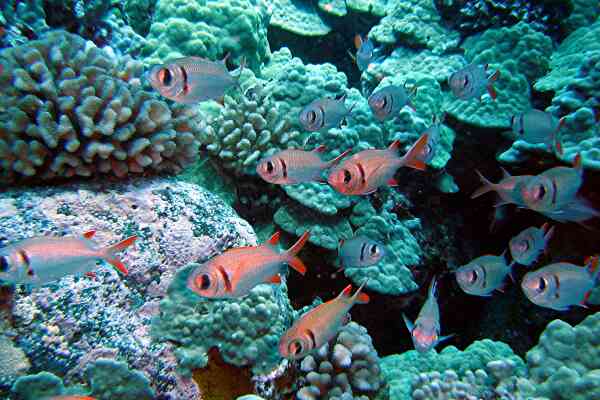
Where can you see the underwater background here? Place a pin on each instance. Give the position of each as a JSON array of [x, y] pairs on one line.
[[91, 145]]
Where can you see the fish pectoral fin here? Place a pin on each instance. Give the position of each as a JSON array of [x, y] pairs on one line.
[[274, 279], [89, 234]]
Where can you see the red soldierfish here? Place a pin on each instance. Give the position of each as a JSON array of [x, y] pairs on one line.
[[472, 82], [425, 332], [236, 272], [388, 101], [561, 285], [507, 188], [295, 166], [483, 275], [40, 260], [535, 126], [319, 325], [367, 170], [324, 113], [527, 246], [190, 80]]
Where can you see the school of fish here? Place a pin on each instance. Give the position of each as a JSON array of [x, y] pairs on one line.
[[234, 273]]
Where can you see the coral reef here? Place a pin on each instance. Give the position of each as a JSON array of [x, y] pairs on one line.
[[245, 330], [401, 370], [584, 13], [65, 326], [22, 21], [71, 109], [38, 386], [522, 55], [13, 360], [345, 368], [565, 363], [298, 17], [208, 29]]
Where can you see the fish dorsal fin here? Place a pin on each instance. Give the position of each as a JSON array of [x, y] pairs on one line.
[[226, 280], [358, 41], [342, 99], [320, 149], [275, 238], [395, 145], [346, 293], [89, 234], [340, 157]]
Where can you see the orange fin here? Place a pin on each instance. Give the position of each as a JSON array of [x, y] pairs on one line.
[[111, 257], [347, 292], [358, 41], [411, 158], [320, 149], [395, 145], [393, 182], [494, 76], [275, 238], [89, 234], [359, 296], [298, 265], [123, 244], [119, 266], [91, 274], [492, 92], [274, 279], [296, 247]]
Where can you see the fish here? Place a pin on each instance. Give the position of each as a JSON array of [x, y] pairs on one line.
[[191, 80], [483, 275], [293, 166], [508, 189], [535, 126], [360, 251], [367, 170], [319, 325], [40, 260], [527, 246], [473, 81], [561, 285], [70, 397], [366, 54], [434, 133], [579, 210], [324, 113], [425, 331], [388, 101], [235, 272]]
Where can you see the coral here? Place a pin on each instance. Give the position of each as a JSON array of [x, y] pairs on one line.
[[584, 13], [521, 54], [139, 14], [71, 109], [220, 380], [298, 17], [565, 363], [325, 230], [345, 368], [473, 16], [111, 379], [39, 386], [22, 21], [400, 370], [390, 275], [209, 29], [248, 128], [13, 360], [245, 330], [64, 326], [415, 24]]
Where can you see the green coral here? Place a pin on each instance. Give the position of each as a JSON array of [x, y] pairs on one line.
[[566, 362], [245, 330], [38, 386], [522, 55], [298, 17], [400, 370], [584, 13], [13, 360], [69, 109], [415, 24], [209, 29], [110, 379]]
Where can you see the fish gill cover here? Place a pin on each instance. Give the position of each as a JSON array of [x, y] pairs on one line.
[[102, 142]]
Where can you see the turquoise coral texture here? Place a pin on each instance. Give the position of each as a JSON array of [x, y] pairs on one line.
[[71, 109]]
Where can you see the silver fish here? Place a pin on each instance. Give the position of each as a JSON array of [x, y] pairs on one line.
[[527, 246], [324, 113], [360, 251], [535, 126], [366, 54], [388, 101], [483, 275], [472, 82]]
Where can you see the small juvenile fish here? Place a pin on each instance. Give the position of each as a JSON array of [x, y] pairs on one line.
[[527, 246], [366, 54], [425, 331], [191, 80], [41, 260], [235, 272], [367, 170], [324, 113], [472, 82], [535, 126], [388, 101], [296, 166], [433, 132], [319, 325], [360, 251], [508, 189], [561, 285], [483, 275]]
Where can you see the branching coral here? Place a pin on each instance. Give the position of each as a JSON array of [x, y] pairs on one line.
[[71, 109]]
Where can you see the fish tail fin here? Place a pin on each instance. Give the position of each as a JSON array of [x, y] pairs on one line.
[[352, 56], [360, 297], [412, 157], [409, 325], [294, 261], [591, 263], [490, 87], [556, 137], [111, 257], [338, 158], [487, 186], [548, 232], [432, 287], [358, 41]]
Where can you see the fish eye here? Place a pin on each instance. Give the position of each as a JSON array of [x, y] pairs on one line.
[[3, 264], [347, 176], [312, 116], [541, 284], [539, 192], [270, 167], [203, 282], [465, 80], [295, 347], [165, 76], [30, 272], [473, 277], [374, 250]]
